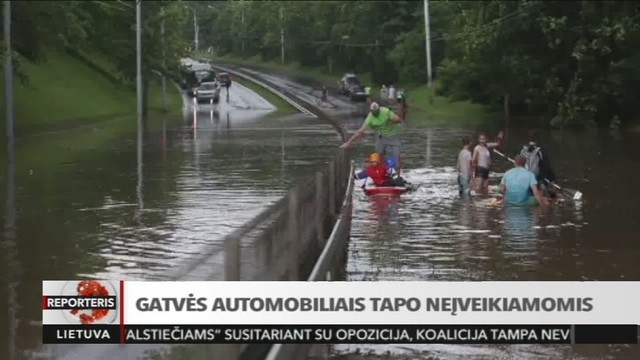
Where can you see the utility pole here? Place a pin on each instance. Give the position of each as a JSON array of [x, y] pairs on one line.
[[140, 96], [427, 34], [139, 60], [10, 215], [281, 36], [164, 65], [195, 29], [243, 28], [8, 74]]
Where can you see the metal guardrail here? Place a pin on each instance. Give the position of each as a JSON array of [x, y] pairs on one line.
[[262, 84], [299, 103]]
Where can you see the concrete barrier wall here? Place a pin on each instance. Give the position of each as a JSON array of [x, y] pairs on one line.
[[300, 237]]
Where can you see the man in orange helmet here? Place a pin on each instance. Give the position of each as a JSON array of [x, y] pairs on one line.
[[378, 172]]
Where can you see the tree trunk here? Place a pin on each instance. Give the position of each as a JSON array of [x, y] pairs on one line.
[[507, 113]]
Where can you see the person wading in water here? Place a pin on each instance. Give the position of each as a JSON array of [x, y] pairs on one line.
[[482, 162], [520, 187], [539, 164], [388, 127]]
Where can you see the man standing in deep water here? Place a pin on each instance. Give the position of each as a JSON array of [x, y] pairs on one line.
[[464, 167], [388, 127], [539, 164], [481, 161], [518, 184]]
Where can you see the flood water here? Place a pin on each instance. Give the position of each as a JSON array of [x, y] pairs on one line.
[[432, 235], [108, 213], [113, 214]]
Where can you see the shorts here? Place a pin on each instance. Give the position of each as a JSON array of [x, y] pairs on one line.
[[388, 146], [464, 185], [482, 172]]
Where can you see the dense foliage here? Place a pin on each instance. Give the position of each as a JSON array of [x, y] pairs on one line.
[[577, 62], [102, 32]]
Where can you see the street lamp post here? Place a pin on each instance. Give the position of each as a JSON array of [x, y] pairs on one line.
[[8, 74], [10, 215], [139, 60], [281, 36], [243, 28], [428, 46], [164, 65], [140, 100], [195, 29]]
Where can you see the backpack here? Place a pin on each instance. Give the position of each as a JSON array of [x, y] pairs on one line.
[[533, 156]]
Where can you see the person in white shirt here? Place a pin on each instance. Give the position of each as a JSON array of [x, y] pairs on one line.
[[384, 93], [464, 168], [482, 161], [392, 94]]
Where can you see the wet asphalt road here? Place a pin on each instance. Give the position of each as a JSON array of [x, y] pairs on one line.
[[115, 213]]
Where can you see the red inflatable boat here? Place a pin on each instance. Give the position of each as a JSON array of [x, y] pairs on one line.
[[386, 190]]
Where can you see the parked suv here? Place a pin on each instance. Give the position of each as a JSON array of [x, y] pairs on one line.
[[351, 86], [208, 92]]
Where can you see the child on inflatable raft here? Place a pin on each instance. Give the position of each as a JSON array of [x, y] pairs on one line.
[[380, 173]]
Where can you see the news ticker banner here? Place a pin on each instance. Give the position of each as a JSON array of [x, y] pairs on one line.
[[103, 311]]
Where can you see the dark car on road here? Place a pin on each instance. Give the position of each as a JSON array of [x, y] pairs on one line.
[[208, 92], [224, 79], [351, 86]]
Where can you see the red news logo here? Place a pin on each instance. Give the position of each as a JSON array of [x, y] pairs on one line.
[[85, 302]]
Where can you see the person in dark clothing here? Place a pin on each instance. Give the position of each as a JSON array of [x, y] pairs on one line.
[[539, 163]]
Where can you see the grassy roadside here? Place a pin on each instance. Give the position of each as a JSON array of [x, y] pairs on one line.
[[443, 109], [68, 110], [421, 111], [283, 108], [64, 93]]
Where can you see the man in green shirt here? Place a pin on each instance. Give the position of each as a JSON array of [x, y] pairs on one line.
[[387, 125]]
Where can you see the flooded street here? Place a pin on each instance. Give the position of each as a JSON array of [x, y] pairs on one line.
[[107, 214], [111, 213], [432, 235]]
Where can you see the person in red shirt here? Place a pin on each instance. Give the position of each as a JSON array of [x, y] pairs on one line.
[[377, 170]]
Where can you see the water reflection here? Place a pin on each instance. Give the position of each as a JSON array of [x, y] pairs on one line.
[[383, 209], [428, 149], [519, 224], [12, 274], [139, 185]]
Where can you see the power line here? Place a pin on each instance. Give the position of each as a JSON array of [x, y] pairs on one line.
[[110, 5]]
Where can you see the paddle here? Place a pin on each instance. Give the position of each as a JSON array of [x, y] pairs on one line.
[[575, 194]]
